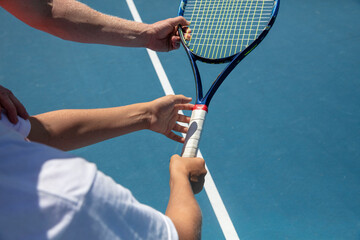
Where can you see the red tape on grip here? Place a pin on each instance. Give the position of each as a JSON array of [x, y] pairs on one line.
[[200, 107]]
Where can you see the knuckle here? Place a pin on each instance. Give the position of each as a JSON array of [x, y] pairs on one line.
[[201, 161]]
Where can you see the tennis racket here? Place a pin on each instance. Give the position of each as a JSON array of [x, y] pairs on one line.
[[222, 31]]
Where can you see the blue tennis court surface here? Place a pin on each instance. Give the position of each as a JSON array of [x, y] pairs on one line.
[[282, 137]]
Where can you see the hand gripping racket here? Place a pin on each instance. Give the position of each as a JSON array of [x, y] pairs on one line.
[[222, 31]]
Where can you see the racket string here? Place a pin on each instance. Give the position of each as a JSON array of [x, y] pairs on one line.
[[221, 28]]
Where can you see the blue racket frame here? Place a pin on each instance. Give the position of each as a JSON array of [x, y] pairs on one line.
[[234, 59]]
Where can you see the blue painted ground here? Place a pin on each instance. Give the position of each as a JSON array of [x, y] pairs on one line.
[[282, 137]]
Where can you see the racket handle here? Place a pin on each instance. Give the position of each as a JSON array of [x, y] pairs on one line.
[[193, 135], [192, 139]]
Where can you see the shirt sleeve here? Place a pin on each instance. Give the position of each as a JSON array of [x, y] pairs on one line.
[[111, 212], [22, 126]]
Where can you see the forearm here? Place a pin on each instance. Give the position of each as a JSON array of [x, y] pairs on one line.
[[75, 21], [72, 129], [183, 209]]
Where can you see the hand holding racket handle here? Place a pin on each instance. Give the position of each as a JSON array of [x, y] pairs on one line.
[[193, 135], [192, 139]]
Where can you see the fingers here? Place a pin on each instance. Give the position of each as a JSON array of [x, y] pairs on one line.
[[187, 106], [178, 21], [175, 39], [165, 34], [181, 129], [21, 111], [181, 99], [12, 105], [187, 34], [186, 30], [9, 107], [197, 183], [183, 118], [175, 42], [180, 102], [175, 137], [183, 105], [171, 119], [193, 168], [197, 175]]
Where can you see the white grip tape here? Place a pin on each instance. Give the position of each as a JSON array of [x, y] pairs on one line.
[[193, 135]]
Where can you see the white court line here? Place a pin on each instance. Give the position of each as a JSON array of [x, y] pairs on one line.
[[213, 194]]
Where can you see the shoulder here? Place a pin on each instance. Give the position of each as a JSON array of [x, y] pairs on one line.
[[112, 211], [41, 188]]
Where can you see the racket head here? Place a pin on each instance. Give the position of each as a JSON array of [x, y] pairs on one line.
[[222, 30]]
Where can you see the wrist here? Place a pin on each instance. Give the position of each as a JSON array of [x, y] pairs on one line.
[[178, 175], [146, 115], [180, 182], [149, 36], [145, 33]]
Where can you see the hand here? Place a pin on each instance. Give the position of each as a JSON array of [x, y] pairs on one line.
[[11, 105], [191, 168], [164, 116], [164, 34]]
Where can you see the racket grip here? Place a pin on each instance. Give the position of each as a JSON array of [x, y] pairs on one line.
[[193, 135]]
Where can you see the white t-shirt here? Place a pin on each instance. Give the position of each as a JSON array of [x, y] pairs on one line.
[[46, 193]]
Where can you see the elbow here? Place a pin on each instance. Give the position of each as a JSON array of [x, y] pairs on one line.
[[189, 234], [188, 229], [40, 17], [37, 14]]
